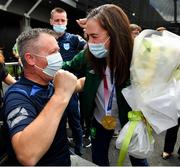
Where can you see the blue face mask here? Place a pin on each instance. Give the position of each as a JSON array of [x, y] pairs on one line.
[[55, 62], [99, 50], [59, 28]]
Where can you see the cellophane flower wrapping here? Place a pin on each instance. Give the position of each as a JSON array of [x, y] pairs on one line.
[[155, 84], [141, 145]]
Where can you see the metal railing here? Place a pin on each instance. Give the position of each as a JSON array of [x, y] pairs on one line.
[[11, 63]]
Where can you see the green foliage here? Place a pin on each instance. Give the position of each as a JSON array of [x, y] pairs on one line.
[[14, 70]]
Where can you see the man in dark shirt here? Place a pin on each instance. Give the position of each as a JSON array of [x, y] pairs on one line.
[[70, 45], [34, 107]]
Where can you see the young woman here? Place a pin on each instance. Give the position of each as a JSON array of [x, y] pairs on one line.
[[105, 64]]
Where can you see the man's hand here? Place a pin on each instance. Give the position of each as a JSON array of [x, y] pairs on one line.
[[64, 83]]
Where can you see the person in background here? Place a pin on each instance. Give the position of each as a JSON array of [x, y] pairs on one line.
[[135, 30], [16, 54], [105, 63], [34, 106], [70, 45], [160, 29], [170, 141], [4, 76], [171, 134], [18, 68], [8, 79]]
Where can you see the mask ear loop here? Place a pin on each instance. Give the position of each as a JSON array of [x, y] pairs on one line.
[[106, 40], [38, 67], [38, 55], [35, 64]]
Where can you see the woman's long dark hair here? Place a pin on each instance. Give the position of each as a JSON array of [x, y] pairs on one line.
[[116, 23]]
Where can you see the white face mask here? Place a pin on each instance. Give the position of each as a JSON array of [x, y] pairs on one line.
[[99, 50], [55, 62]]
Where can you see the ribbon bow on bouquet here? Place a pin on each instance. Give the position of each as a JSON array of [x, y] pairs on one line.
[[154, 91]]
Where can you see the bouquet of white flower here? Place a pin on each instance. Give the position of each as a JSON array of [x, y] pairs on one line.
[[154, 90]]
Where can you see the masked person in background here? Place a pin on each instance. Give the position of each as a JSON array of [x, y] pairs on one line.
[[34, 106], [105, 63], [70, 45]]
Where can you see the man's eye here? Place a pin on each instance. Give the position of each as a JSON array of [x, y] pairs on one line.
[[94, 37]]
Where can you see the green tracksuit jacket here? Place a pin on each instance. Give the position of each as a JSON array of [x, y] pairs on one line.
[[80, 65]]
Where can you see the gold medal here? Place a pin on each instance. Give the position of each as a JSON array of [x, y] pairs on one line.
[[108, 122]]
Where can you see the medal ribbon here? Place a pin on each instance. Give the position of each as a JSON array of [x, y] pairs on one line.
[[108, 102]]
